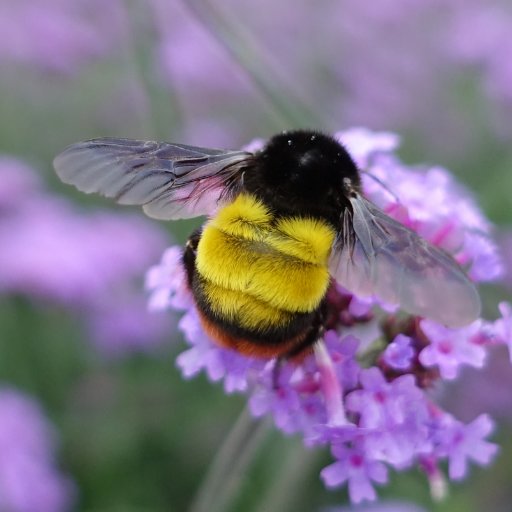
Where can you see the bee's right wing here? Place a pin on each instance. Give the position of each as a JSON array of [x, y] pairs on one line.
[[376, 255], [170, 181]]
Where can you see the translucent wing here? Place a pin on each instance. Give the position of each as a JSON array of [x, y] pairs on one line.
[[378, 256], [170, 181]]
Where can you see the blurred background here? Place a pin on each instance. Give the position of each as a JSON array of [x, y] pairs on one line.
[[94, 415]]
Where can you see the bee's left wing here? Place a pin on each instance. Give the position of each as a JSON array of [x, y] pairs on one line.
[[375, 255], [170, 181]]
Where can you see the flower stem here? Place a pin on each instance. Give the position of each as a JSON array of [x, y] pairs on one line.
[[285, 104], [331, 386], [226, 472], [159, 108], [285, 490]]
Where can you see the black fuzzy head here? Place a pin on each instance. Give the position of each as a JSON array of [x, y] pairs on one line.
[[304, 173]]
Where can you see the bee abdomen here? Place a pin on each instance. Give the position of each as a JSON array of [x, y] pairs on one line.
[[279, 263], [259, 281]]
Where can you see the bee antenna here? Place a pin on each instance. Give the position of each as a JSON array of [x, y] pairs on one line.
[[382, 184]]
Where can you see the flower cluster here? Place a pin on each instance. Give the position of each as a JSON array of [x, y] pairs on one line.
[[365, 390], [366, 77], [29, 478], [89, 263], [391, 506], [54, 35]]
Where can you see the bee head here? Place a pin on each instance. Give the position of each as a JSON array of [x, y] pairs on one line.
[[304, 170]]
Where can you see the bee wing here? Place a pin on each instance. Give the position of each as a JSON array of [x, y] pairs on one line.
[[376, 255], [170, 181]]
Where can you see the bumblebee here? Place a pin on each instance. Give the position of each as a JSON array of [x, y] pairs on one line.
[[282, 223]]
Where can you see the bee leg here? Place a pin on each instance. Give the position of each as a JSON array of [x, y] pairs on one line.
[[316, 331], [298, 353], [276, 370], [189, 256], [304, 348]]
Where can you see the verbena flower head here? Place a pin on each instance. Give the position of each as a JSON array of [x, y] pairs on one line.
[[56, 35], [90, 263], [365, 391], [30, 480], [390, 506], [370, 78]]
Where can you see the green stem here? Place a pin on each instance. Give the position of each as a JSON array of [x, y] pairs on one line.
[[226, 472], [161, 110], [285, 491], [286, 108]]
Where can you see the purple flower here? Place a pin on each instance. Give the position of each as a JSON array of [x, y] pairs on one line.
[[379, 88], [385, 506], [394, 414], [488, 49], [460, 443], [365, 144], [167, 283], [503, 326], [379, 403], [449, 349], [399, 353], [343, 354], [363, 390], [73, 257], [285, 403], [90, 263], [125, 325], [448, 216], [353, 468], [55, 35], [19, 184], [30, 480], [217, 363]]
